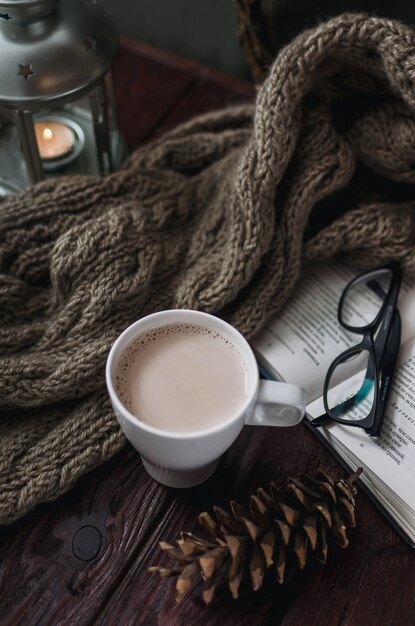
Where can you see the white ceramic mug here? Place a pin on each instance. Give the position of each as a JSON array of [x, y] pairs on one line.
[[178, 459]]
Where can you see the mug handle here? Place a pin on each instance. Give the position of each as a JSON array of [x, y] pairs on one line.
[[278, 404]]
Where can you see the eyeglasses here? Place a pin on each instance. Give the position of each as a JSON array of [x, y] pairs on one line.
[[368, 367]]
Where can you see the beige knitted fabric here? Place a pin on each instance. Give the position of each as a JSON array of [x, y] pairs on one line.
[[212, 217]]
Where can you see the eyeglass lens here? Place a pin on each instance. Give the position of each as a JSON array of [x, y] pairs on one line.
[[353, 399], [363, 298]]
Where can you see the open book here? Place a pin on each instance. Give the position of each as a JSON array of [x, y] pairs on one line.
[[299, 345]]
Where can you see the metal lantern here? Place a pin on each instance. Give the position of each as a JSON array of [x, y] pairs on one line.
[[57, 112]]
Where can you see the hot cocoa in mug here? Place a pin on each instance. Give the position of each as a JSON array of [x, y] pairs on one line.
[[182, 377], [183, 384]]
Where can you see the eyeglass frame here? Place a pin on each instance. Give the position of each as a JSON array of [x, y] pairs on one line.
[[383, 351]]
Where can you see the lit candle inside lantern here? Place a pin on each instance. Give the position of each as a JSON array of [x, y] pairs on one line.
[[54, 139]]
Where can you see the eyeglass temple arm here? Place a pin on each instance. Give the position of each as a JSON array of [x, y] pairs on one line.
[[387, 371], [385, 329], [321, 420]]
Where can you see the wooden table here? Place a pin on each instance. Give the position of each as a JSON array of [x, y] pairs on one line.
[[83, 559]]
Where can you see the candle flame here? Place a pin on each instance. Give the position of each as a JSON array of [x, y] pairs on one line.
[[47, 134]]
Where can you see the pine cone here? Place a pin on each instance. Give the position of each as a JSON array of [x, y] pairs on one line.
[[280, 529]]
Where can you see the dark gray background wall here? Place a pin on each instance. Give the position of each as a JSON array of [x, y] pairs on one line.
[[206, 30]]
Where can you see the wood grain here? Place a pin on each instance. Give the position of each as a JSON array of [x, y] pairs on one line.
[[336, 591], [42, 580], [156, 90], [258, 456], [53, 571]]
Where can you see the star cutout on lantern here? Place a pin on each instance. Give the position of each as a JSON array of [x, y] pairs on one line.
[[5, 16], [25, 71], [89, 43]]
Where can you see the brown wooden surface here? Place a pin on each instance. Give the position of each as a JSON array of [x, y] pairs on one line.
[[83, 559]]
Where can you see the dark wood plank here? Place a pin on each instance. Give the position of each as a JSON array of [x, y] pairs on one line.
[[259, 456], [231, 84], [43, 580], [372, 582], [156, 90], [145, 93], [202, 96], [348, 590]]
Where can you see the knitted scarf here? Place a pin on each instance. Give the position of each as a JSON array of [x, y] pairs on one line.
[[217, 216]]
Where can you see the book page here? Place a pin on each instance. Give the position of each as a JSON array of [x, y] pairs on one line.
[[397, 508], [392, 455], [299, 344]]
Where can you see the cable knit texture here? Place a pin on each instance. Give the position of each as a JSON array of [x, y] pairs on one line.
[[213, 216]]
